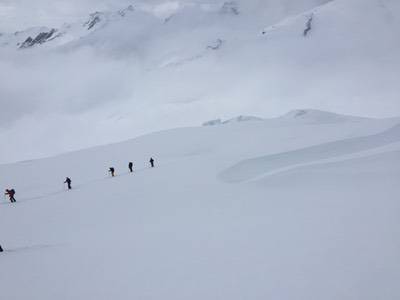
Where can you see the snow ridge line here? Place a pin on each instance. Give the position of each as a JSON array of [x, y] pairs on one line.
[[342, 158], [288, 20], [256, 167]]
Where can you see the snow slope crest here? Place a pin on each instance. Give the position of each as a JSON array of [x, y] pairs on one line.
[[318, 116], [260, 167]]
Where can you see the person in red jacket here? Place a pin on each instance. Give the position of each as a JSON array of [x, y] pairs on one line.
[[11, 194]]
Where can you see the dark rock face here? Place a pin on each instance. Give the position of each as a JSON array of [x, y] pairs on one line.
[[308, 25], [94, 19], [41, 38]]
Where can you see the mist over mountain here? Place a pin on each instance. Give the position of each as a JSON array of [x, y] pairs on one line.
[[114, 70]]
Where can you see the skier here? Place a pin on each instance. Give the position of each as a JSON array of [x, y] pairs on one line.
[[68, 182], [130, 166], [152, 162], [1, 249], [11, 194], [112, 171]]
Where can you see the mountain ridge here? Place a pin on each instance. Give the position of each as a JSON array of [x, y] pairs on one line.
[[176, 64]]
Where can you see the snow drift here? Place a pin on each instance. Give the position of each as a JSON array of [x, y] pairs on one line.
[[256, 167]]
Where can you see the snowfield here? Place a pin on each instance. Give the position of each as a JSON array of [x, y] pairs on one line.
[[305, 206]]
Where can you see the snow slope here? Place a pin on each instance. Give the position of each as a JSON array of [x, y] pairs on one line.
[[326, 227], [165, 64]]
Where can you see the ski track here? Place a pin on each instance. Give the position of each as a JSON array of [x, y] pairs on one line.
[[17, 250], [77, 187]]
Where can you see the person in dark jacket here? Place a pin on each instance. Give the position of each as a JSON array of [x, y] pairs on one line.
[[130, 166], [1, 249], [152, 162], [112, 171], [68, 182], [11, 194]]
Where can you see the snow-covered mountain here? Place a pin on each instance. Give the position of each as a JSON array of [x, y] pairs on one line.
[[305, 116], [67, 33], [281, 209], [183, 15], [161, 64]]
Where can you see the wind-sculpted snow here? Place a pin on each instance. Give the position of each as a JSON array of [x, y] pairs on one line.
[[257, 167], [311, 116]]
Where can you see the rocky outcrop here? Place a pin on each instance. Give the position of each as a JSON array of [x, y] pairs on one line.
[[41, 38], [308, 25], [238, 119], [94, 19], [216, 45]]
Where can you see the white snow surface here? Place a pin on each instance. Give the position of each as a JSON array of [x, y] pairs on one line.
[[165, 64], [274, 209]]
